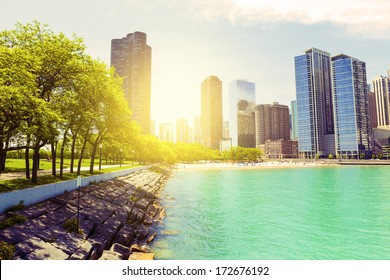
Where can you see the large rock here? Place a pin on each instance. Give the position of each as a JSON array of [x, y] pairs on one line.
[[83, 252], [122, 250], [141, 232], [52, 234], [139, 248], [47, 252], [69, 242], [110, 255], [29, 245], [99, 242], [137, 256], [125, 235]]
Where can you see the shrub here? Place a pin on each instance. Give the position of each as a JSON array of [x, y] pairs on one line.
[[6, 251], [16, 207], [14, 219], [133, 198], [70, 225]]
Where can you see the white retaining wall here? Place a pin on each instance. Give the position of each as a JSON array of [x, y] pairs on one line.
[[40, 193]]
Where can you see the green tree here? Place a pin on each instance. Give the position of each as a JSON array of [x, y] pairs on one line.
[[56, 62], [16, 86]]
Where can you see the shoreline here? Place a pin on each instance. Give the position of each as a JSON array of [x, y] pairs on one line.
[[278, 164]]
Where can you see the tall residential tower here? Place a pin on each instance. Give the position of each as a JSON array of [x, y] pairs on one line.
[[314, 103], [131, 57], [381, 88], [351, 107], [211, 112]]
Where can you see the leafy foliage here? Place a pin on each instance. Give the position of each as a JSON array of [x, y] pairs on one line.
[[12, 220], [6, 251]]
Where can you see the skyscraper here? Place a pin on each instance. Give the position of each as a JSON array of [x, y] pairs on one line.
[[272, 123], [131, 57], [242, 102], [351, 108], [381, 88], [211, 112], [314, 103]]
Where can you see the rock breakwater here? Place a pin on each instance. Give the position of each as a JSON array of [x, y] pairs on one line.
[[117, 220]]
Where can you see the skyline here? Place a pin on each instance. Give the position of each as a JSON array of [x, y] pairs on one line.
[[191, 40]]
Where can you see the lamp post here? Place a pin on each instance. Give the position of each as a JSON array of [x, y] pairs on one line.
[[100, 156], [132, 153], [120, 157]]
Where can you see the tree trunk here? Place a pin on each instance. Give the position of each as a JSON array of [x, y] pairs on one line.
[[27, 159], [81, 158], [34, 177], [62, 153], [72, 151], [3, 156], [53, 158], [93, 154]]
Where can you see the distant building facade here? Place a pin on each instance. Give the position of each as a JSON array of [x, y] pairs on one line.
[[225, 145], [197, 125], [211, 112], [242, 102], [166, 132], [225, 132], [382, 141], [372, 109], [272, 122], [281, 149], [294, 121], [381, 87], [351, 107], [182, 135], [131, 58]]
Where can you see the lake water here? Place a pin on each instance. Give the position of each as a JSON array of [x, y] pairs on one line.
[[292, 213]]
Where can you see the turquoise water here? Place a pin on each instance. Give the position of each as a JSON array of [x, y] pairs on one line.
[[297, 213]]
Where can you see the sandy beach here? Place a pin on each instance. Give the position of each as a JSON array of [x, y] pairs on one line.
[[260, 165]]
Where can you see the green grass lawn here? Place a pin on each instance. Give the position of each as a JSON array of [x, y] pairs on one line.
[[19, 165], [23, 183]]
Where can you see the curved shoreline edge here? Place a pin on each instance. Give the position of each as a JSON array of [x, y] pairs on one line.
[[280, 164]]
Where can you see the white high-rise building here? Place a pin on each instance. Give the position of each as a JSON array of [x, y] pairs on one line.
[[381, 88]]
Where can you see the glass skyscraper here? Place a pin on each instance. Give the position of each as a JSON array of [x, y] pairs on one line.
[[351, 108], [314, 103], [242, 102]]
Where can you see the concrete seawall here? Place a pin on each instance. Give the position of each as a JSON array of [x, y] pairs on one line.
[[118, 218], [39, 193]]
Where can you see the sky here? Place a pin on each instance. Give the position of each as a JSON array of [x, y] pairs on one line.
[[255, 40]]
